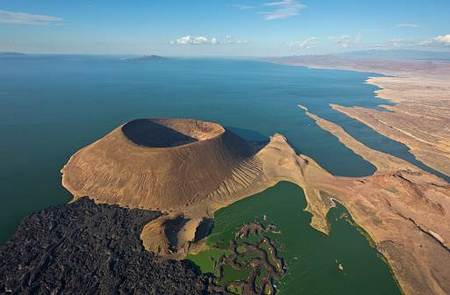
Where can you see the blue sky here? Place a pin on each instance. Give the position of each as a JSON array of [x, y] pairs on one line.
[[222, 28]]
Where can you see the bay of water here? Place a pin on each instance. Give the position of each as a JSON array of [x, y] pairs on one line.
[[50, 106], [312, 258]]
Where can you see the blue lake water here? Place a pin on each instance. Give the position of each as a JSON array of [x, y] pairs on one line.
[[50, 106]]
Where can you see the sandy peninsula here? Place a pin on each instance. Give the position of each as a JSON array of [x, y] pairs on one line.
[[420, 89]]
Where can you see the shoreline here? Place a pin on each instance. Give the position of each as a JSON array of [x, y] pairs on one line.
[[384, 178], [416, 93], [398, 198]]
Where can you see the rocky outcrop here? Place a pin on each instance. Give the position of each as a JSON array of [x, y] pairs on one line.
[[84, 248]]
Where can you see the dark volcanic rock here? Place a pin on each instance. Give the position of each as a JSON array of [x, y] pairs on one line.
[[85, 248]]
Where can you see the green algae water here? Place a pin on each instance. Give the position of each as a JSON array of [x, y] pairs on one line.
[[312, 258]]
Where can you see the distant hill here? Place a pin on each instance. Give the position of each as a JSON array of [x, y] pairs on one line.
[[397, 54], [11, 53], [147, 58]]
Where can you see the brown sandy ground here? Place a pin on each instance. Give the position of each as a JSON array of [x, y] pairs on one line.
[[421, 90], [403, 209], [420, 120]]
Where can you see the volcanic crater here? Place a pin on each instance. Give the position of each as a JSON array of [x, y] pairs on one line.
[[159, 164], [169, 132]]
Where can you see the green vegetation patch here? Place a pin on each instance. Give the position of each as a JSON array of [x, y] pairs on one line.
[[249, 262], [231, 274], [208, 260]]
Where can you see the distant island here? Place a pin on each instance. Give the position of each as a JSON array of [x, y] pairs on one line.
[[11, 53], [151, 57]]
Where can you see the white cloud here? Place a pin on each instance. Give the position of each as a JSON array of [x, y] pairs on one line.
[[438, 41], [308, 43], [412, 26], [443, 39], [398, 43], [242, 6], [192, 40], [282, 9], [232, 40], [201, 40], [22, 18], [346, 41]]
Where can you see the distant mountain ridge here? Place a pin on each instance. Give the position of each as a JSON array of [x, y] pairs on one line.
[[7, 53], [403, 54]]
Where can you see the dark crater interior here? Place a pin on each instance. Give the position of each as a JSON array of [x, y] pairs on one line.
[[204, 229], [150, 133], [84, 248], [171, 229]]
